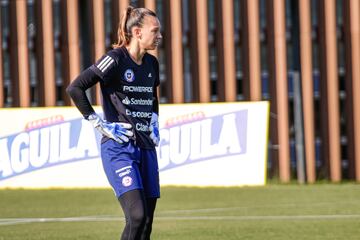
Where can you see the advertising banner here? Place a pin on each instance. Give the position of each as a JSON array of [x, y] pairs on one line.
[[219, 144]]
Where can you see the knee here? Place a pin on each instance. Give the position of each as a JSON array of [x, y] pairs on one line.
[[137, 218]]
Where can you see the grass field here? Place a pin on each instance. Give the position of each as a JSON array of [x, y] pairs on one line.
[[280, 212]]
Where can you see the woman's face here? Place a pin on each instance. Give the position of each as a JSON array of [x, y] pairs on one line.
[[149, 35]]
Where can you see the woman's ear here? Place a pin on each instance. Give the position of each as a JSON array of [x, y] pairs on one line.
[[137, 32]]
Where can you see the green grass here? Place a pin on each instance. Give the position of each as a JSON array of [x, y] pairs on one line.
[[281, 212]]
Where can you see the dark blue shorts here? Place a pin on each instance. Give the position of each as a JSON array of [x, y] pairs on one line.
[[129, 167]]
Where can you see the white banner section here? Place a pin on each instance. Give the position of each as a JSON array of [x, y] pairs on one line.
[[219, 144]]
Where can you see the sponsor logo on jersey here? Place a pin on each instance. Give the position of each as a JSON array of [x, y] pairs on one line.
[[105, 63], [137, 89], [123, 171], [142, 127], [135, 114], [135, 101], [129, 75], [126, 101], [149, 75]]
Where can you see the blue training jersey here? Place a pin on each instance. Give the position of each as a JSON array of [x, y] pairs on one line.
[[128, 91]]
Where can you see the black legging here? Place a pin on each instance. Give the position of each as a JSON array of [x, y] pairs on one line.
[[139, 214]]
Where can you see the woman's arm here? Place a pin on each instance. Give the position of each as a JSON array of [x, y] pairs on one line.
[[77, 91]]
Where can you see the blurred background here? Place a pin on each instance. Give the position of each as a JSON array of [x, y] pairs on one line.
[[301, 55]]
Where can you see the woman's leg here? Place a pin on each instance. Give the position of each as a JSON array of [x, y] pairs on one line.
[[150, 177], [134, 207], [150, 206], [120, 162]]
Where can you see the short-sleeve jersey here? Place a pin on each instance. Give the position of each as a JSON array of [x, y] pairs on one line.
[[128, 91]]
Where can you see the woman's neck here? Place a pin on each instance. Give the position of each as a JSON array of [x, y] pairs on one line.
[[135, 52]]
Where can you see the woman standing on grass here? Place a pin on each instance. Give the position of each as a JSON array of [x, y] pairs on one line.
[[128, 78]]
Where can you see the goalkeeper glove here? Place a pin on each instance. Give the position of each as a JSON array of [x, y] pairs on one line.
[[154, 129], [118, 131]]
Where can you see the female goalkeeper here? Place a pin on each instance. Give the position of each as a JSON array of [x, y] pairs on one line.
[[128, 78]]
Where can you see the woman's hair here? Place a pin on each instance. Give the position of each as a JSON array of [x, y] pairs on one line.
[[131, 17]]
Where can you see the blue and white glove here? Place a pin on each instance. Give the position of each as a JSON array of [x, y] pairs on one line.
[[118, 131], [154, 129]]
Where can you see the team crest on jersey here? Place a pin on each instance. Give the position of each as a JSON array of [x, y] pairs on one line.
[[129, 75], [127, 181]]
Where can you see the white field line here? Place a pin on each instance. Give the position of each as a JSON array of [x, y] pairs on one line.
[[14, 221], [281, 205]]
